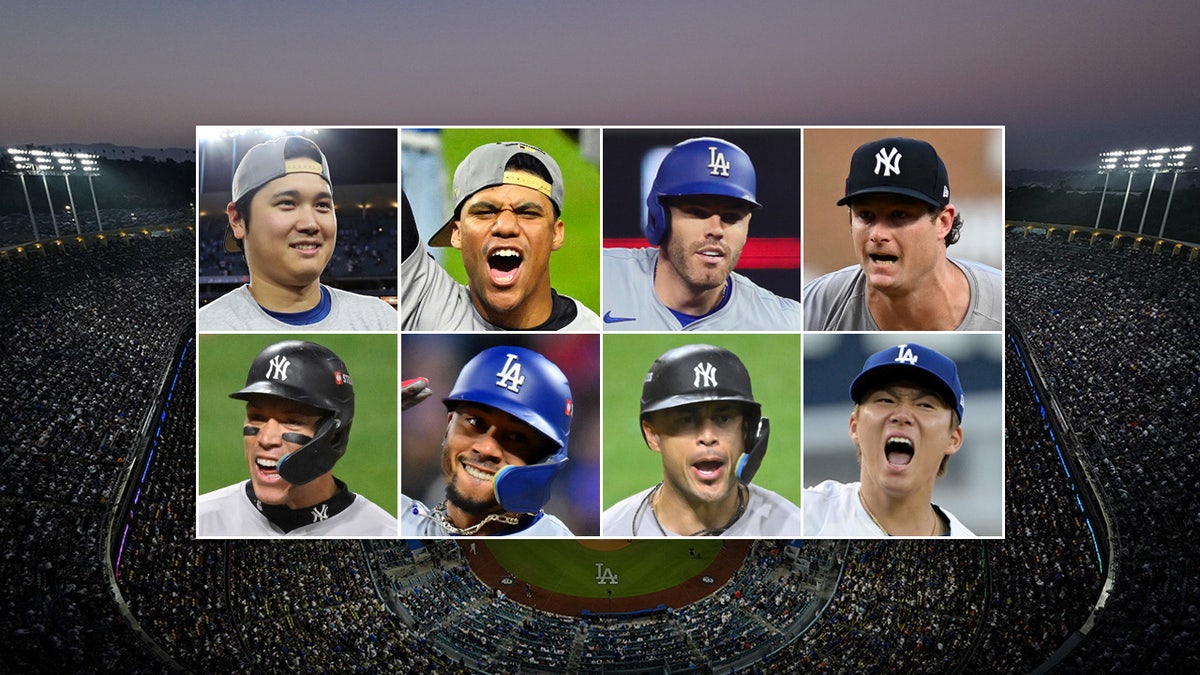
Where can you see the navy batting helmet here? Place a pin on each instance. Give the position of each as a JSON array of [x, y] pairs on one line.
[[701, 373], [528, 386], [308, 373], [698, 166]]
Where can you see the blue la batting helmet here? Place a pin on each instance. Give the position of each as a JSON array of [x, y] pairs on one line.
[[528, 386], [308, 373], [698, 166]]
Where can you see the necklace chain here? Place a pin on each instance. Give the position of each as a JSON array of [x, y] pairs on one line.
[[863, 501], [444, 518], [651, 499]]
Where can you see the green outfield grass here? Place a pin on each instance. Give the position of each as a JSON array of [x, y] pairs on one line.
[[574, 268], [568, 567], [774, 365], [369, 466]]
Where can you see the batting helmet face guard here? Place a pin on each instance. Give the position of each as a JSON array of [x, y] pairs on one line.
[[698, 166], [701, 373], [528, 386], [307, 373]]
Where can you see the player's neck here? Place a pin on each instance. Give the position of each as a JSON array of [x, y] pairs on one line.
[[280, 298], [939, 303], [529, 312], [683, 517], [675, 292], [910, 516], [310, 494]]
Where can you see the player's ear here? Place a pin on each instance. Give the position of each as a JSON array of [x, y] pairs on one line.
[[236, 222], [854, 425], [559, 234], [455, 236], [651, 436], [956, 440], [945, 221]]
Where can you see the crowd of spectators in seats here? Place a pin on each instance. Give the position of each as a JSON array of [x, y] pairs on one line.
[[84, 361], [15, 228], [1117, 330], [1113, 329]]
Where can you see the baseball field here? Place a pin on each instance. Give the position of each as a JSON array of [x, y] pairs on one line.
[[577, 567], [369, 466]]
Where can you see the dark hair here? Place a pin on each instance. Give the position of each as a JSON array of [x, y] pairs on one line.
[[955, 227], [530, 164]]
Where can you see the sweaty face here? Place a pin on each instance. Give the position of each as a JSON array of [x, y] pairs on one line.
[[506, 234], [903, 431], [481, 440], [270, 417], [897, 240], [292, 231], [706, 237], [700, 445]]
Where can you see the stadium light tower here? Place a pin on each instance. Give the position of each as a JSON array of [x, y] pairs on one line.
[[1156, 161], [31, 161]]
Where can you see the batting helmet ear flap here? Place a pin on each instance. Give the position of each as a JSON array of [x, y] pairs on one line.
[[526, 489], [756, 444], [317, 455]]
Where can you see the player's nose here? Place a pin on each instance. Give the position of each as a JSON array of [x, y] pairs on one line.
[[270, 434], [506, 224]]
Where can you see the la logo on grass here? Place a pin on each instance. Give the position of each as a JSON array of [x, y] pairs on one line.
[[605, 575]]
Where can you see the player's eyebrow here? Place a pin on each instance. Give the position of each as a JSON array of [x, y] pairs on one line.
[[323, 194]]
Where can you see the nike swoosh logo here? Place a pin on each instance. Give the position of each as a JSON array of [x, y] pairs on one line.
[[609, 318]]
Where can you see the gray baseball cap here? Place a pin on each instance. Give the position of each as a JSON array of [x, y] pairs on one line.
[[269, 160], [484, 168]]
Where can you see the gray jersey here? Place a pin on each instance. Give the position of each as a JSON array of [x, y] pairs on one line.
[[432, 300], [237, 310], [630, 302], [833, 509], [767, 514], [229, 513], [418, 520], [838, 300]]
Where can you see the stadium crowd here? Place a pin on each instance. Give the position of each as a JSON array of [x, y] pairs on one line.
[[16, 229]]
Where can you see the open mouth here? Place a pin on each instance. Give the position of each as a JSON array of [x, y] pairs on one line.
[[267, 467], [898, 450], [709, 469], [503, 265], [881, 258]]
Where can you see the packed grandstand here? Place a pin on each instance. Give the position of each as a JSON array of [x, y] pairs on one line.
[[1097, 572]]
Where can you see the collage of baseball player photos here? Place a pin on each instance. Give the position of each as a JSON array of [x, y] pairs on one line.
[[610, 332]]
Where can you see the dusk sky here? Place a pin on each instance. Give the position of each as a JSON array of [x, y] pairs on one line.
[[1067, 79]]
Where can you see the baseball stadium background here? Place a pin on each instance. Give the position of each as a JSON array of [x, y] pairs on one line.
[[369, 466], [630, 466], [771, 257]]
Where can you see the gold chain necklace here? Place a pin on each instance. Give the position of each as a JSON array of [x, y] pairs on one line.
[[444, 518], [863, 501]]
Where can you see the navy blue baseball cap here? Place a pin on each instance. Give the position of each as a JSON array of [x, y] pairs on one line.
[[911, 362], [902, 166]]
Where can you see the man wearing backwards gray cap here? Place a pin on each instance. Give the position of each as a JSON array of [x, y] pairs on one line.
[[906, 423], [901, 224], [506, 223], [282, 187]]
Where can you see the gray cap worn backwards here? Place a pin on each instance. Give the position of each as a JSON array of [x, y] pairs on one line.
[[269, 160], [485, 168]]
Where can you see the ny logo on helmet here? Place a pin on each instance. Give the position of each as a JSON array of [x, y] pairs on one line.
[[717, 164], [510, 376], [888, 161], [706, 375], [905, 355], [278, 368]]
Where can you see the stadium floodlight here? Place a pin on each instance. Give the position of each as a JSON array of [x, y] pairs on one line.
[[43, 162], [1158, 160]]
